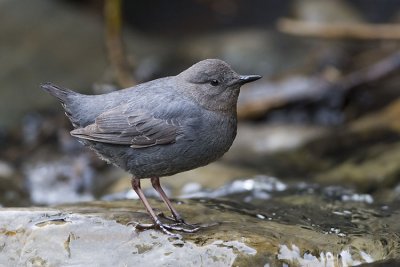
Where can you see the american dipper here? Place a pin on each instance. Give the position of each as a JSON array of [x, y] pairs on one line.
[[160, 127]]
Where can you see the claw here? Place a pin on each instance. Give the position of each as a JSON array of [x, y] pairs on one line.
[[169, 218], [162, 215], [167, 227], [164, 228], [180, 222], [158, 225], [175, 227], [141, 226]]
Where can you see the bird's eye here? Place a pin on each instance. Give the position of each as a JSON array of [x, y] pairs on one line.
[[214, 82]]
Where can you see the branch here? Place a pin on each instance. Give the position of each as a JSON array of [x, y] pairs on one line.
[[369, 74], [339, 30], [115, 49]]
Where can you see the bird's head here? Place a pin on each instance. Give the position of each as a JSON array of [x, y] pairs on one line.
[[213, 84]]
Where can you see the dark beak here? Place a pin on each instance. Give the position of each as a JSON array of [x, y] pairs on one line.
[[248, 78]]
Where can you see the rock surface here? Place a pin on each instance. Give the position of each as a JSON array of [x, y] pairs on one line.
[[96, 234]]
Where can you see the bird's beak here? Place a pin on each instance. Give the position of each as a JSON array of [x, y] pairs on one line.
[[248, 78]]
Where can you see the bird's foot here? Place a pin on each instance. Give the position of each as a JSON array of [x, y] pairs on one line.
[[176, 220], [163, 227], [167, 228], [179, 222]]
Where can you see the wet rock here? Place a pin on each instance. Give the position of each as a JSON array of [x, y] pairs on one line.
[[272, 234], [83, 239]]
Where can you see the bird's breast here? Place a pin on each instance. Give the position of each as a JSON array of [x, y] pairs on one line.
[[211, 137]]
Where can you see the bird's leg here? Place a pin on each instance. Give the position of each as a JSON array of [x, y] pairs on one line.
[[155, 181], [157, 223]]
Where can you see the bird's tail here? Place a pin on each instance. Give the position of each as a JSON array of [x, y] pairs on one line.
[[65, 96], [60, 93]]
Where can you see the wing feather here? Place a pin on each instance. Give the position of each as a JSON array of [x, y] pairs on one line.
[[137, 129]]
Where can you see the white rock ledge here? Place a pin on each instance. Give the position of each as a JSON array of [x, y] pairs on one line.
[[51, 237]]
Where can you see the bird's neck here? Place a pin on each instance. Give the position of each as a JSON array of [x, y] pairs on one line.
[[225, 102]]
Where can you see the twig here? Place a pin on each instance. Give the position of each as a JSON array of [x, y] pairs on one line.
[[119, 64], [339, 30], [371, 73]]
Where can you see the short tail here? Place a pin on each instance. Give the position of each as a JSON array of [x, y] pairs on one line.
[[60, 93], [66, 97]]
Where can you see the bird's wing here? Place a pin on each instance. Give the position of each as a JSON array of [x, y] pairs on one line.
[[138, 129]]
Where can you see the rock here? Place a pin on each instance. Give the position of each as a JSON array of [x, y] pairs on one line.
[[277, 232], [84, 240]]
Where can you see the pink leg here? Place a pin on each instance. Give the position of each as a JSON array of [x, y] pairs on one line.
[[155, 181], [157, 223], [136, 186]]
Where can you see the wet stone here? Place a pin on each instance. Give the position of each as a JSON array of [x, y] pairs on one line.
[[96, 234]]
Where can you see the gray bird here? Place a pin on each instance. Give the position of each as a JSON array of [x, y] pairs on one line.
[[160, 127]]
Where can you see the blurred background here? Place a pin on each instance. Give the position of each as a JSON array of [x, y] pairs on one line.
[[325, 115]]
